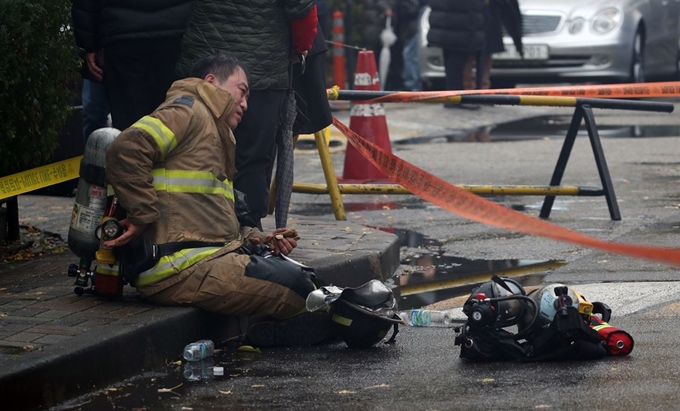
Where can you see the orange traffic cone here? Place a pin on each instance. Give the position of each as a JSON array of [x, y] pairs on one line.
[[367, 120]]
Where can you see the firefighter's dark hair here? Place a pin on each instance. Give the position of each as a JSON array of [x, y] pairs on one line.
[[220, 65]]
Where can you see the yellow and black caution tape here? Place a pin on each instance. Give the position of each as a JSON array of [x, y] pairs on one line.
[[599, 91], [39, 177], [471, 206]]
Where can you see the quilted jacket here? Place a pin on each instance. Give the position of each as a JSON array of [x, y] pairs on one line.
[[257, 32]]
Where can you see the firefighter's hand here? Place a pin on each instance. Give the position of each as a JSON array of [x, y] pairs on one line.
[[279, 241], [132, 231]]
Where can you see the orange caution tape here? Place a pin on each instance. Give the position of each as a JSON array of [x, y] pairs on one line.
[[632, 90], [473, 207]]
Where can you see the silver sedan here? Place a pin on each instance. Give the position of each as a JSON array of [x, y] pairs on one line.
[[581, 40]]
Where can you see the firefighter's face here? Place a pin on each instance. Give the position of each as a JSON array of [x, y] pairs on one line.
[[237, 86]]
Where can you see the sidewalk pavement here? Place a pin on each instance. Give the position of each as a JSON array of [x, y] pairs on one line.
[[55, 345]]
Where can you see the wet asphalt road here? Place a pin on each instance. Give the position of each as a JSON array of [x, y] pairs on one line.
[[422, 370]]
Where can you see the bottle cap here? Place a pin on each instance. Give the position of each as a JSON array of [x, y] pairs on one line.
[[218, 371]]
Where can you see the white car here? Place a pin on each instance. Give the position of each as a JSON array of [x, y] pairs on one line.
[[581, 40]]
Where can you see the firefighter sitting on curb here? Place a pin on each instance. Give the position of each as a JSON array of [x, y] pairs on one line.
[[172, 171]]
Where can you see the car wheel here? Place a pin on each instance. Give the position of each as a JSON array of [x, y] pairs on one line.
[[637, 72]]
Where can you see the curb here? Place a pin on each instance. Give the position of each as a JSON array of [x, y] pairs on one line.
[[345, 256]]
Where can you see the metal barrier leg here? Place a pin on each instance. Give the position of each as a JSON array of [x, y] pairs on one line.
[[562, 160], [331, 178], [602, 168]]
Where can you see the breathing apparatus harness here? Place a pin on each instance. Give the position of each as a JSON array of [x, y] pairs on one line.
[[552, 323]]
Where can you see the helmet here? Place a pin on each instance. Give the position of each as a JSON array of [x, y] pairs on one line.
[[362, 316], [547, 301], [507, 312]]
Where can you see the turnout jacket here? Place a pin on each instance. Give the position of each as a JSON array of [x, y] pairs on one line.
[[173, 170]]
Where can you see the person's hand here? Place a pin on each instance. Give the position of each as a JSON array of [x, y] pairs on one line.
[[93, 66], [279, 241], [297, 57], [132, 231]]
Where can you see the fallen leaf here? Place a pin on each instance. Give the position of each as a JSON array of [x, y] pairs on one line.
[[225, 392], [378, 386], [487, 380], [257, 385], [248, 348], [346, 392], [169, 390]]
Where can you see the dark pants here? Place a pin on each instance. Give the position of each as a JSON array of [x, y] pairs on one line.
[[137, 75], [95, 107], [454, 64], [256, 148]]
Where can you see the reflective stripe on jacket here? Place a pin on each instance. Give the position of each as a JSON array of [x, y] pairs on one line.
[[173, 264]]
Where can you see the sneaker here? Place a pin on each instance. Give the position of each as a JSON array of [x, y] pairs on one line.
[[301, 330]]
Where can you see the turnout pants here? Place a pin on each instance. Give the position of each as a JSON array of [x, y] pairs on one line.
[[237, 284]]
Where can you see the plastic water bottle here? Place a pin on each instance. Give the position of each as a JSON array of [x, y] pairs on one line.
[[199, 370], [427, 318], [199, 350]]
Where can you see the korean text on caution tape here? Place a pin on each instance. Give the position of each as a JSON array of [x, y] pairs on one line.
[[40, 177]]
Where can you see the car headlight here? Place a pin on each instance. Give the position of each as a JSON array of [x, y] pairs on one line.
[[607, 20], [576, 25]]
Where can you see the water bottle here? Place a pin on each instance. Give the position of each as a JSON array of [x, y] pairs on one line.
[[199, 370], [199, 350], [427, 318]]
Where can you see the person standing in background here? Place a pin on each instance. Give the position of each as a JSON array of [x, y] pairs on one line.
[[133, 47], [324, 16], [500, 14], [267, 36], [458, 27], [409, 13], [95, 103]]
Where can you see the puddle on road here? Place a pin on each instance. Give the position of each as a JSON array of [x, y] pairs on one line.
[[156, 390], [429, 276], [552, 127]]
